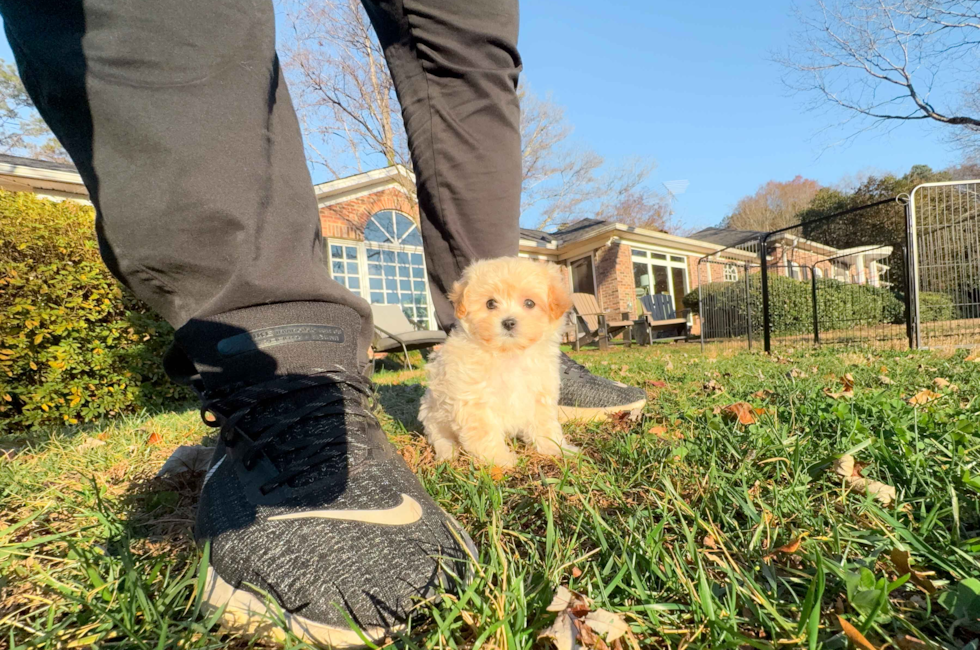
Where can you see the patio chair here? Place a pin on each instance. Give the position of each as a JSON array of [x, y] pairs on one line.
[[663, 323], [393, 332], [594, 324]]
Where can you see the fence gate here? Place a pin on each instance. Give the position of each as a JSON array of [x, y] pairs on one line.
[[944, 234]]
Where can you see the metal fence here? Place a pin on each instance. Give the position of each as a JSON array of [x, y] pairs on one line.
[[896, 273]]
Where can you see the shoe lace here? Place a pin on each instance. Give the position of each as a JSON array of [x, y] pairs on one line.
[[571, 367], [300, 452]]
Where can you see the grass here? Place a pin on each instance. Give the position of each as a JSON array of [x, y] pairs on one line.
[[675, 520]]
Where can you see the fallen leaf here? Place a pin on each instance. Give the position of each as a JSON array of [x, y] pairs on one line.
[[562, 599], [901, 560], [741, 411], [924, 396], [576, 572], [496, 473], [563, 632], [669, 365], [624, 369], [886, 380], [713, 387], [845, 468], [796, 373], [855, 635], [762, 394], [90, 443], [154, 439], [709, 541], [941, 382], [974, 357], [187, 458], [847, 391], [656, 383], [606, 624], [792, 547], [658, 430]]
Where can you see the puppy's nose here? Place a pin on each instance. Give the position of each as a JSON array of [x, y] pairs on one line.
[[509, 323]]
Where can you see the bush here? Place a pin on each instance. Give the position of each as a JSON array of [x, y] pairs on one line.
[[841, 305], [936, 307], [75, 345]]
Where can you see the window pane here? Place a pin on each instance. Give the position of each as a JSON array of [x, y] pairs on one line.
[[389, 271], [420, 299], [405, 285], [660, 283], [674, 258], [418, 272], [391, 284], [404, 272], [335, 251], [374, 269], [417, 259], [352, 268], [406, 298], [373, 255], [377, 298], [403, 258], [680, 287], [391, 298], [353, 282], [388, 257], [372, 232], [376, 284], [419, 286], [337, 267], [641, 277], [413, 238], [582, 280], [637, 253], [423, 313], [658, 256], [351, 253]]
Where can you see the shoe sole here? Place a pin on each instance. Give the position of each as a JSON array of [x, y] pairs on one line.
[[246, 613], [596, 414]]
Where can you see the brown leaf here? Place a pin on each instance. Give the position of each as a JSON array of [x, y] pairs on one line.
[[658, 430], [576, 572], [608, 625], [741, 411], [849, 470], [974, 357], [669, 365], [901, 560], [941, 382], [154, 439], [847, 391], [796, 373], [709, 542], [886, 380], [624, 369], [855, 635], [656, 383], [924, 396], [762, 394], [713, 387], [792, 547], [496, 473], [90, 443]]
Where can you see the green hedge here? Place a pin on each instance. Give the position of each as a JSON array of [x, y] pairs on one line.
[[74, 345], [841, 305], [936, 307]]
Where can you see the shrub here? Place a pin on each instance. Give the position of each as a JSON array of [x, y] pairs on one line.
[[74, 344], [840, 305], [935, 306]]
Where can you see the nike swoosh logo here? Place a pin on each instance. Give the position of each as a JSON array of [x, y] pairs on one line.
[[407, 512]]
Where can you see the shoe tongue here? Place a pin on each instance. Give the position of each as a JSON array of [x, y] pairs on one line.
[[259, 343]]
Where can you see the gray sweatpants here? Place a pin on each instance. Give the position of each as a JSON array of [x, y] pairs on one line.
[[178, 118]]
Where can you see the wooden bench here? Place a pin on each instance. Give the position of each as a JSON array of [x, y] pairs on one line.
[[594, 324]]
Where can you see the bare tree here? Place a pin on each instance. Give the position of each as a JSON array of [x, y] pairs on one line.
[[630, 200], [343, 92], [774, 205], [889, 61], [22, 131]]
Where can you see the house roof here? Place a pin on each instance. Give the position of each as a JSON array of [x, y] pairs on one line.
[[20, 161], [349, 187], [567, 233], [43, 177], [727, 236]]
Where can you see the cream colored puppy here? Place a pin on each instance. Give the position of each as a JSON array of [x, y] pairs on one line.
[[496, 377]]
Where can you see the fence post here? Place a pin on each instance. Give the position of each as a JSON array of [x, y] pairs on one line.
[[911, 302], [748, 305], [763, 259], [701, 303], [816, 319]]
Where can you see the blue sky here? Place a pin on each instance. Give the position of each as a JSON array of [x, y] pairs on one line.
[[691, 85]]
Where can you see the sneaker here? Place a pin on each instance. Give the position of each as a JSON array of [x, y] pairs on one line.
[[315, 523], [587, 397]]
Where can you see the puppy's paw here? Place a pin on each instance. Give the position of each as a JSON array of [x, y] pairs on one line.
[[503, 458], [445, 450]]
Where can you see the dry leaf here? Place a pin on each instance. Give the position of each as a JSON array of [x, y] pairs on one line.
[[562, 599], [792, 547], [905, 642], [941, 382], [154, 439], [90, 443], [709, 541], [796, 373], [924, 396], [656, 384], [624, 369], [496, 473], [741, 411], [669, 365], [974, 357], [562, 632], [886, 380], [713, 387], [576, 572], [606, 624], [762, 394], [658, 430], [855, 635], [848, 390], [845, 468], [901, 560], [187, 458]]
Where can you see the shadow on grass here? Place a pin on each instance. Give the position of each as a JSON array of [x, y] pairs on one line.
[[401, 403]]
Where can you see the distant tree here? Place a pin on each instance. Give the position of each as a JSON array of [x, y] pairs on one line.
[[774, 205], [22, 131], [631, 201], [891, 61]]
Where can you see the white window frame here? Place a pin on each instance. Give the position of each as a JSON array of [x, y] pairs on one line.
[[362, 265], [669, 262], [730, 273]]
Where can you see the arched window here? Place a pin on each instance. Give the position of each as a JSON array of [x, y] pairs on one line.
[[731, 273], [395, 265]]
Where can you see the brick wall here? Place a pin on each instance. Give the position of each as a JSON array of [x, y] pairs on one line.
[[346, 220], [614, 275]]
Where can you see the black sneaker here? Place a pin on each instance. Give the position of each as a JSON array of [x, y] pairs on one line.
[[586, 397], [309, 507]]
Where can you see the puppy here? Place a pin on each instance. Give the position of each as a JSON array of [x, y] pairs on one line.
[[496, 376]]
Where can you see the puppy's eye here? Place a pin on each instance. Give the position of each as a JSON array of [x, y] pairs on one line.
[[491, 304], [529, 304]]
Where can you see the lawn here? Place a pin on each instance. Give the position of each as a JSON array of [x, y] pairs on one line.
[[704, 527]]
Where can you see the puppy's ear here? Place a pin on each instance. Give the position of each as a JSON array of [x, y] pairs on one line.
[[559, 300], [457, 296]]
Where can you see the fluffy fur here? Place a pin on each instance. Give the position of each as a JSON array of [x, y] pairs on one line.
[[497, 375]]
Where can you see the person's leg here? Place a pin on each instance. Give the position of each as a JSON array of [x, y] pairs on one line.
[[177, 116], [455, 67]]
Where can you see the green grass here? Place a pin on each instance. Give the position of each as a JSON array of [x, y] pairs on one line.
[[677, 529]]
